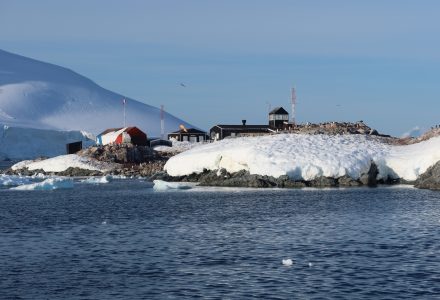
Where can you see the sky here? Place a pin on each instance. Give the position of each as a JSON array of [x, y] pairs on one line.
[[218, 62]]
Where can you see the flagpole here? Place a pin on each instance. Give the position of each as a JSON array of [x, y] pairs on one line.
[[123, 102]]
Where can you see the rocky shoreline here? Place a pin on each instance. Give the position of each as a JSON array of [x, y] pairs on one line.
[[129, 160], [135, 161], [243, 178]]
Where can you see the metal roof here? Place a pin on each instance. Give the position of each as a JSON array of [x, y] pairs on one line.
[[278, 111]]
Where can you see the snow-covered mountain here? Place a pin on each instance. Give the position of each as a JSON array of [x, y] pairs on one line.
[[35, 94]]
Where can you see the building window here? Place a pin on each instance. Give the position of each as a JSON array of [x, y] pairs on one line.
[[233, 134]]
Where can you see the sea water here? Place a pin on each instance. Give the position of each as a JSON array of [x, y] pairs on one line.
[[124, 240]]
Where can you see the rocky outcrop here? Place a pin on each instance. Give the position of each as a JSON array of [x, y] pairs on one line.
[[430, 179], [76, 172], [245, 179], [129, 160], [121, 154]]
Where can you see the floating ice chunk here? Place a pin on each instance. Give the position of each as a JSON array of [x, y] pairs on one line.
[[48, 184], [97, 180], [310, 265], [13, 180], [39, 175], [287, 262], [160, 185], [118, 177]]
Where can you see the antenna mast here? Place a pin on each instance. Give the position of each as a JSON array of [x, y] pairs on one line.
[[162, 123], [293, 103]]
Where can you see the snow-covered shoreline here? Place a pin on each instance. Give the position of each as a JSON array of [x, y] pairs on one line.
[[307, 157], [283, 160], [63, 162]]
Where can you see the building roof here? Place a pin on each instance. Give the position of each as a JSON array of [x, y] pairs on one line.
[[278, 111], [243, 127], [110, 130], [118, 129], [189, 131]]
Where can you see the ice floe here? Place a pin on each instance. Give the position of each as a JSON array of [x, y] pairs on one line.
[[97, 180], [287, 262], [48, 184], [160, 185], [13, 180]]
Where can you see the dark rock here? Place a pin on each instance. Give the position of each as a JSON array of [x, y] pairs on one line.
[[373, 132], [322, 182], [121, 153], [160, 176], [348, 181], [79, 172], [369, 178], [430, 179]]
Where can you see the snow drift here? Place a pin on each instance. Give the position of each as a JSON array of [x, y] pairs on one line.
[[39, 95], [306, 157], [63, 162]]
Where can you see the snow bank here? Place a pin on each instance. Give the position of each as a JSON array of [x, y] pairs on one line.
[[305, 157], [178, 147], [63, 162], [160, 185], [298, 156], [48, 184], [409, 162]]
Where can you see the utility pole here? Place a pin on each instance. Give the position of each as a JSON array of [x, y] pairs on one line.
[[124, 102], [293, 103], [162, 123]]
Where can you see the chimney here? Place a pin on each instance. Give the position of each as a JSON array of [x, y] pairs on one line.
[[244, 122]]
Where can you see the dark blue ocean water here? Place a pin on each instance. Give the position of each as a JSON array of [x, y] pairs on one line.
[[122, 240]]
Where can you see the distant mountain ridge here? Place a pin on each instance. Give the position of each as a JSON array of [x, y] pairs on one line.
[[35, 94]]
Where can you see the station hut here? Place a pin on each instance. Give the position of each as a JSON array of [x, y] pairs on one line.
[[188, 135], [278, 118], [221, 131], [122, 136]]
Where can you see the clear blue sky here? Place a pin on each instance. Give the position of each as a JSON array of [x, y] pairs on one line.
[[377, 61]]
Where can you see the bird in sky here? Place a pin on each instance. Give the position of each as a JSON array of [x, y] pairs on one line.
[[182, 84]]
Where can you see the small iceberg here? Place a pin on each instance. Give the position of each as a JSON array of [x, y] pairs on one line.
[[97, 180], [160, 185], [46, 185]]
